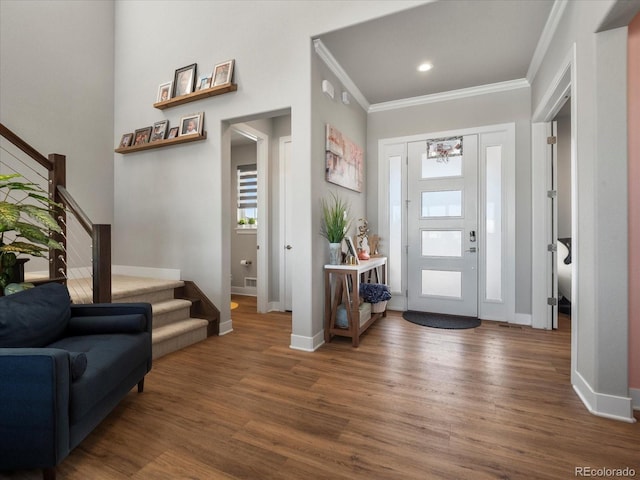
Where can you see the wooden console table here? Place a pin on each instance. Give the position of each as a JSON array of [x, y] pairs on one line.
[[346, 290]]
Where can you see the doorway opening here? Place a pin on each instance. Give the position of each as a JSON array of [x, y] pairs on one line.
[[256, 195]]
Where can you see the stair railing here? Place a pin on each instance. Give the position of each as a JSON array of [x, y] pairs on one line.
[[100, 234]]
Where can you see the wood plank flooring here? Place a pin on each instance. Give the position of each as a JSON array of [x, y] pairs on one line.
[[410, 403]]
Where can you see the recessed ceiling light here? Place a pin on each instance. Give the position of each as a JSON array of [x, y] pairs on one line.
[[424, 67]]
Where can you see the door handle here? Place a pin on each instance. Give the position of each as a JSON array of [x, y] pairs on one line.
[[288, 247], [472, 250]]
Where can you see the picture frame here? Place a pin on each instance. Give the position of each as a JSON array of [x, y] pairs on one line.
[[191, 124], [351, 249], [204, 82], [164, 92], [344, 160], [159, 131], [173, 132], [142, 136], [222, 73], [126, 139], [184, 80]]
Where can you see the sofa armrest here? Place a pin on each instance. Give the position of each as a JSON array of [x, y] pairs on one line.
[[134, 317], [34, 418]]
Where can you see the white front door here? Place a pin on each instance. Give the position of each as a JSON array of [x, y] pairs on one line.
[[442, 228]]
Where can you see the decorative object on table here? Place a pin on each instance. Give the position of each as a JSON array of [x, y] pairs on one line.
[[222, 73], [25, 224], [344, 160], [376, 294], [374, 241], [363, 240], [184, 80], [159, 130], [335, 223], [191, 124], [142, 135], [352, 252], [164, 91]]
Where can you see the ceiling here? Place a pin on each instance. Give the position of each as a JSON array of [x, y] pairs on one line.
[[469, 42]]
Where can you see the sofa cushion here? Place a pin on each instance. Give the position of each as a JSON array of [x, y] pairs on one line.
[[110, 358], [34, 317]]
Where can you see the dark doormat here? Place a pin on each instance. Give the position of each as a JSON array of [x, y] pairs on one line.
[[440, 320]]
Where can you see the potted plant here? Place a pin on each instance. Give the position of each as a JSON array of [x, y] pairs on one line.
[[25, 224], [335, 223]]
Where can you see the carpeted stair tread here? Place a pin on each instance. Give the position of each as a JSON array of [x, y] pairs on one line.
[[161, 334]]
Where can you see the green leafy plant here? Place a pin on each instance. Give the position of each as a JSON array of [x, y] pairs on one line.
[[31, 223], [335, 219]]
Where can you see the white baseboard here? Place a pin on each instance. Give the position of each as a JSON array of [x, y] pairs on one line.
[[522, 319], [274, 307], [149, 272], [602, 404], [307, 344], [225, 327], [635, 398]]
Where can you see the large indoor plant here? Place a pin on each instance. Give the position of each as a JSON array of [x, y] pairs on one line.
[[335, 223], [25, 224]]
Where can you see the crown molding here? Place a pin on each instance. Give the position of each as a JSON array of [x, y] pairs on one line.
[[339, 72], [544, 41], [451, 95]]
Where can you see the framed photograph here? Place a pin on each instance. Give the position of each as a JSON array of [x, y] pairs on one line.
[[184, 80], [204, 82], [159, 130], [125, 141], [142, 135], [164, 92], [191, 124], [351, 249], [222, 73], [173, 132]]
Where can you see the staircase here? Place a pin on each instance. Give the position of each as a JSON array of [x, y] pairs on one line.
[[173, 327]]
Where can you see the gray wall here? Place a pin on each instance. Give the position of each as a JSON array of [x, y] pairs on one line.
[[495, 108], [56, 89]]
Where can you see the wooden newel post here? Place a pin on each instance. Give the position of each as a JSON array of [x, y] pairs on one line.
[[57, 177], [101, 259]]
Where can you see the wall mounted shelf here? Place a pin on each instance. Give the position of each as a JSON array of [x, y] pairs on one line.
[[200, 94], [196, 137]]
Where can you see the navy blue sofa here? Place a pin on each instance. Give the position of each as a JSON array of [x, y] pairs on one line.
[[63, 368]]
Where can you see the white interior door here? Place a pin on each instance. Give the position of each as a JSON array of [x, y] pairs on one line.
[[552, 256], [442, 230]]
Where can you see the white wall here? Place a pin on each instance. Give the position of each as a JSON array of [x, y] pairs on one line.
[[491, 109], [172, 205], [56, 89]]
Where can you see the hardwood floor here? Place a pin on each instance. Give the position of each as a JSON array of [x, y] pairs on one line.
[[410, 403]]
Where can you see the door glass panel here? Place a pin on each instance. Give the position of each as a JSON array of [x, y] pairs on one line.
[[493, 240], [442, 243], [433, 167], [442, 204], [395, 224], [442, 283]]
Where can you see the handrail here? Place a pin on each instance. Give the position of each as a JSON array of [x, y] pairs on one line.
[[70, 202], [25, 147]]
